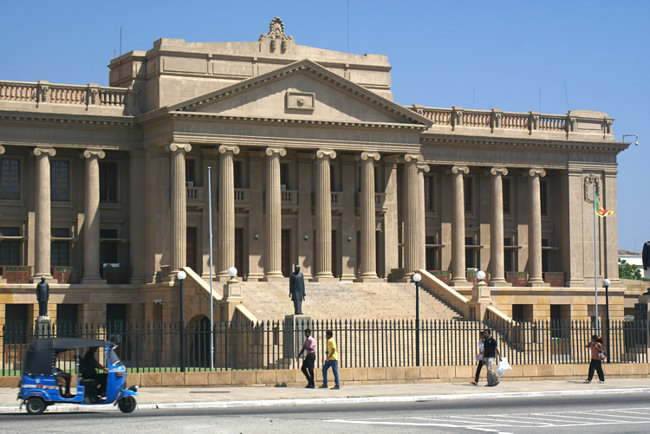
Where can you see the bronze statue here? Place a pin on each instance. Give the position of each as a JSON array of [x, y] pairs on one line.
[[42, 295], [297, 290]]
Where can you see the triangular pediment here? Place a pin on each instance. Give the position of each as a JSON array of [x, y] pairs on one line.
[[302, 91]]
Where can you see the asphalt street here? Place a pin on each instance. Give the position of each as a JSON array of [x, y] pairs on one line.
[[615, 413]]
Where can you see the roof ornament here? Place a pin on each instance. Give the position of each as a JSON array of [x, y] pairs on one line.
[[276, 33]]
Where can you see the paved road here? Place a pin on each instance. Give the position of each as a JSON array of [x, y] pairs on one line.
[[619, 413]]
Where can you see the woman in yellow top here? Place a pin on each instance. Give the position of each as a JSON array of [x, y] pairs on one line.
[[332, 359]]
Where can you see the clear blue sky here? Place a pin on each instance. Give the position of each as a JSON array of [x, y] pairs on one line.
[[474, 54]]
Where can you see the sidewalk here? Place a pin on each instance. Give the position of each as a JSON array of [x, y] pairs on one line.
[[218, 397]]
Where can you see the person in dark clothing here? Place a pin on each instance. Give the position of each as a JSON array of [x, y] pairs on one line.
[[645, 255], [309, 347], [297, 290], [596, 364], [479, 357], [490, 352], [87, 368]]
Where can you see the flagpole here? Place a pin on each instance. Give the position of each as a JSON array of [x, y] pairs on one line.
[[595, 257], [211, 299]]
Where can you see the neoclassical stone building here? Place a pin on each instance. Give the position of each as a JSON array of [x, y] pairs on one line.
[[104, 190]]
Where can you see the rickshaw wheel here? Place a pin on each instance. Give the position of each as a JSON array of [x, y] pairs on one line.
[[35, 405], [126, 404]]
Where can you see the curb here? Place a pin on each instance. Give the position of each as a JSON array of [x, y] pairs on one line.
[[333, 401]]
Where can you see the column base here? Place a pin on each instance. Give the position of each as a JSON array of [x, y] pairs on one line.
[[325, 277], [93, 280], [500, 283], [255, 277], [274, 278], [368, 278], [461, 283], [537, 283], [48, 278]]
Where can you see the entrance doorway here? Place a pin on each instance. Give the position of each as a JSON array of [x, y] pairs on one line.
[[190, 255], [286, 252]]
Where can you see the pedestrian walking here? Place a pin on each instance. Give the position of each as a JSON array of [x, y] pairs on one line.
[[597, 356], [309, 348], [479, 356], [490, 353], [331, 359]]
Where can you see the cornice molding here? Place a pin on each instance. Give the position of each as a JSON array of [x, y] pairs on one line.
[[125, 121]]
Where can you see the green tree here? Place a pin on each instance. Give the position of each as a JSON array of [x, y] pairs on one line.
[[628, 271]]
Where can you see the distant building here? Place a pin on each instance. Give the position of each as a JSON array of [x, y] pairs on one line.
[[104, 189]]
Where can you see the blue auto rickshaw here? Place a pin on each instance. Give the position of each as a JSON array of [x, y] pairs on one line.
[[42, 383]]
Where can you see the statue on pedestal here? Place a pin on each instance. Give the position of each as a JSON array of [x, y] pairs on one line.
[[297, 290], [42, 295]]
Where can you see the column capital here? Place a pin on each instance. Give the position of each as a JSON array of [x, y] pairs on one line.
[[323, 153], [89, 153], [425, 168], [415, 158], [499, 171], [47, 151], [536, 171], [370, 156], [459, 169], [271, 152], [234, 149], [173, 147], [2, 149]]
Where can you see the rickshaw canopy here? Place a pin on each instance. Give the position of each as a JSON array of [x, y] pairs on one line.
[[39, 356]]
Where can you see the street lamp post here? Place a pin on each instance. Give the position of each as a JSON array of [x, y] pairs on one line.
[[181, 275], [606, 283], [416, 278]]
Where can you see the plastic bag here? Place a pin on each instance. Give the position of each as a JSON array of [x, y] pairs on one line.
[[503, 367]]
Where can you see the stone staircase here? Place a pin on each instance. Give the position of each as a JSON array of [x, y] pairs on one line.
[[344, 300]]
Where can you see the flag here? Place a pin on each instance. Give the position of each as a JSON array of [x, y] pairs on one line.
[[600, 211]]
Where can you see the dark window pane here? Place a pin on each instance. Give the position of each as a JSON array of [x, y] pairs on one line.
[[428, 193], [10, 179], [506, 196], [10, 252], [237, 174], [543, 189], [59, 254], [108, 253], [60, 180], [108, 182], [10, 232], [60, 232], [190, 167], [108, 233]]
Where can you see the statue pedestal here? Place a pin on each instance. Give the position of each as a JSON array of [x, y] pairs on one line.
[[294, 334], [43, 327]]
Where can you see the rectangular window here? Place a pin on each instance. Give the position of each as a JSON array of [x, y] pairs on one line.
[[9, 179], [468, 187], [284, 176], [429, 193], [543, 191], [59, 255], [237, 174], [509, 254], [472, 253], [190, 172], [60, 178], [107, 182], [506, 196], [10, 252]]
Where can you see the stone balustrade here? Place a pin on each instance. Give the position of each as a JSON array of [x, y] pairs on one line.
[[289, 197], [529, 122], [45, 92]]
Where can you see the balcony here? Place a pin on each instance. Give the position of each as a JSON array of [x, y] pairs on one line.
[[194, 195], [16, 273], [66, 274], [242, 197], [289, 198]]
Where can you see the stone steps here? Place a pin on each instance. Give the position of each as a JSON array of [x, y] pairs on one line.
[[344, 300]]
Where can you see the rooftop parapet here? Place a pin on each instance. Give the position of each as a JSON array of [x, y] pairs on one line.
[[587, 123], [90, 98]]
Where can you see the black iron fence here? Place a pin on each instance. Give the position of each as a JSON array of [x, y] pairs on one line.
[[361, 343]]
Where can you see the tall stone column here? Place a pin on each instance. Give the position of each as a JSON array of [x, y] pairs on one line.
[[273, 213], [323, 263], [179, 205], [412, 225], [43, 222], [496, 227], [368, 217], [422, 219], [91, 272], [535, 228], [226, 220], [458, 226]]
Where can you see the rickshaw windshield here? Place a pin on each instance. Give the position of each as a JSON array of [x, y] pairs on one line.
[[113, 358]]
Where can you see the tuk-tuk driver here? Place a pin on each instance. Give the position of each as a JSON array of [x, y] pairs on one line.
[[87, 367]]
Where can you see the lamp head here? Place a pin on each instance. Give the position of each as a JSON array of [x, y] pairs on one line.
[[232, 271], [181, 275], [606, 282], [417, 277], [480, 274]]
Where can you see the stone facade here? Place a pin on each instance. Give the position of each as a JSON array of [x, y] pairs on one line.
[[312, 164]]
